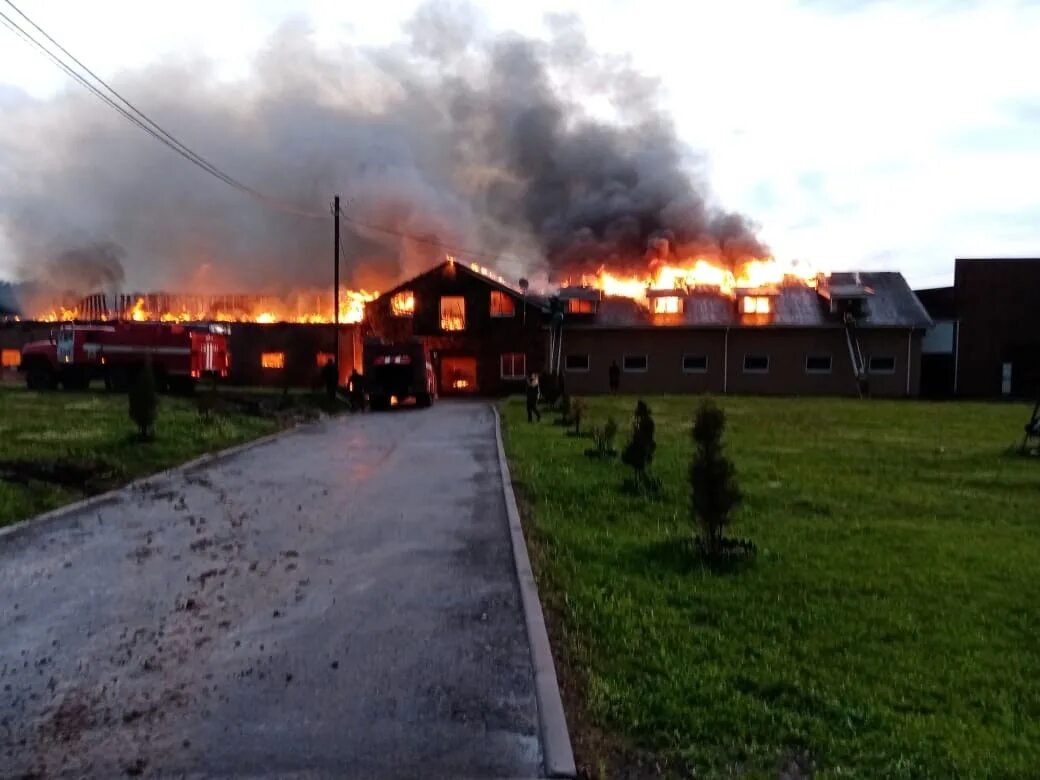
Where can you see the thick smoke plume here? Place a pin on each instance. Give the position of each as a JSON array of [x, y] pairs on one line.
[[456, 135]]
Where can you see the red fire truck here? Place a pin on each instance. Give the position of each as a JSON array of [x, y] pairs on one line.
[[76, 354]]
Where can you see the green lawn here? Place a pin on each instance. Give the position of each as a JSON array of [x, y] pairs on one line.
[[889, 628], [57, 447]]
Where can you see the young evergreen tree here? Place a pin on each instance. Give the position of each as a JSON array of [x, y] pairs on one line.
[[144, 401], [639, 452], [714, 493]]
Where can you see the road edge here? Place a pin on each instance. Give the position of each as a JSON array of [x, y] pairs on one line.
[[111, 496], [552, 721]]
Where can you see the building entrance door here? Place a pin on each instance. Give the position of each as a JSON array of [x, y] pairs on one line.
[[458, 375]]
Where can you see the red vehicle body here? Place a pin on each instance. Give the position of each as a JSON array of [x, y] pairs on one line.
[[115, 352], [397, 371]]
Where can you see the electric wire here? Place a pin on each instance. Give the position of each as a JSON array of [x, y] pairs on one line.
[[134, 115], [138, 117]]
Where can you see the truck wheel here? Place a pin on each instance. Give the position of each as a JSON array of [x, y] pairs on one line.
[[378, 404], [39, 377], [423, 400]]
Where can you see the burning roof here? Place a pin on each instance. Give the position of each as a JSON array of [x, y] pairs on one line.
[[791, 304]]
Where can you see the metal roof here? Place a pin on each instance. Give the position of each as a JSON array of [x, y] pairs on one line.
[[892, 304]]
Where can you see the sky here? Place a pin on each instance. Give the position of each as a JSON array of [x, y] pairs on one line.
[[857, 135]]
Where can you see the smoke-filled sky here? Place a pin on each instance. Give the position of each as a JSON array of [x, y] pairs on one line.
[[872, 135]]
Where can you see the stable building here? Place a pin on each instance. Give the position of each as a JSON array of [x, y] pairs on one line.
[[484, 336], [853, 333]]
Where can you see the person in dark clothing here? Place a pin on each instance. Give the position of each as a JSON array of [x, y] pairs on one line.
[[615, 376], [356, 389], [330, 378], [533, 393]]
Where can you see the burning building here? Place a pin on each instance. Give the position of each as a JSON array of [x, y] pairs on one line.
[[822, 334]]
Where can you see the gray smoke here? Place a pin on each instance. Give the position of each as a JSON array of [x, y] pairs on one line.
[[455, 136]]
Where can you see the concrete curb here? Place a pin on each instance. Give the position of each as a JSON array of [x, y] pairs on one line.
[[552, 722], [31, 523]]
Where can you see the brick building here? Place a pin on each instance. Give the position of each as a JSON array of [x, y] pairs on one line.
[[790, 339]]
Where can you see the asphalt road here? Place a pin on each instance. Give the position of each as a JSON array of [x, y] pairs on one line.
[[341, 601]]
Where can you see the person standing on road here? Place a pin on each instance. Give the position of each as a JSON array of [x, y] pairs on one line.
[[614, 374], [356, 391], [330, 376], [533, 393]]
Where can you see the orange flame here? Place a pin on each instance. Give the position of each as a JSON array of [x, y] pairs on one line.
[[313, 310], [699, 273]]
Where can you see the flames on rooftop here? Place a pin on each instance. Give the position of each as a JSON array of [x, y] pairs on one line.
[[691, 275], [312, 308]]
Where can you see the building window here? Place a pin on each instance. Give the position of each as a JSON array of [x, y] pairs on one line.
[[403, 304], [324, 358], [695, 364], [576, 362], [453, 312], [10, 358], [668, 304], [817, 364], [514, 365], [756, 364], [882, 365], [634, 364], [502, 305], [581, 306], [272, 360], [754, 304]]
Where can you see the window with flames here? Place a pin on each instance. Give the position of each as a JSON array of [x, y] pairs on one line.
[[453, 312], [10, 358], [514, 365], [755, 304], [403, 304], [502, 305], [272, 360], [581, 306], [668, 304]]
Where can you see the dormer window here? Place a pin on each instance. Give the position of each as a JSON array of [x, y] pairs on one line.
[[755, 304], [668, 304], [581, 306]]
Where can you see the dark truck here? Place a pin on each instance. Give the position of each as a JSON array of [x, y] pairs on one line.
[[396, 371]]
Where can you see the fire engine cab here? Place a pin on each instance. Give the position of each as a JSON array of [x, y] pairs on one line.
[[114, 352]]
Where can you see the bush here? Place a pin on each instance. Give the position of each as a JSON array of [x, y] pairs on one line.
[[714, 493], [565, 407], [604, 436], [207, 402], [577, 412], [144, 402], [639, 452]]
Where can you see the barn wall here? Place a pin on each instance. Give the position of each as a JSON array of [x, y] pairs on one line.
[[300, 344], [485, 338], [786, 349]]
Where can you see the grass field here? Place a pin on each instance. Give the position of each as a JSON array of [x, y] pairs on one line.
[[60, 446], [889, 627]]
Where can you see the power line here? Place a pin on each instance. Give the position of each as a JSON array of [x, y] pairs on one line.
[[454, 250], [132, 114], [138, 117]]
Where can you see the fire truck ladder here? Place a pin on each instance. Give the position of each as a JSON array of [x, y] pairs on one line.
[[859, 368]]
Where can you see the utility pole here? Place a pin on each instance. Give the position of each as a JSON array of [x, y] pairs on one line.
[[335, 277]]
